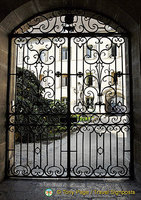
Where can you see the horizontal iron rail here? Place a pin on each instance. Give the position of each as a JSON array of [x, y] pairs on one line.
[[79, 113], [68, 35], [82, 124], [71, 177]]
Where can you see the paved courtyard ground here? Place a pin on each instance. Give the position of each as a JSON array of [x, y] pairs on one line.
[[73, 189]]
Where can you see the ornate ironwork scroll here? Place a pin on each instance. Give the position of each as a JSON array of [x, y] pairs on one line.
[[69, 100]]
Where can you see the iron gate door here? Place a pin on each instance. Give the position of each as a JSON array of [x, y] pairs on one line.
[[69, 105], [100, 134]]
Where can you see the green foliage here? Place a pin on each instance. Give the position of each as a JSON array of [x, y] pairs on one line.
[[34, 113]]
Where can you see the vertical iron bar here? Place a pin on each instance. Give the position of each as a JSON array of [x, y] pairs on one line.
[[123, 146], [117, 146], [122, 77], [20, 148], [61, 76], [76, 147], [54, 74], [47, 129], [33, 150], [61, 102], [96, 150], [53, 128], [76, 72], [110, 149], [90, 149], [104, 136], [99, 78], [68, 114], [83, 149], [60, 148], [53, 147], [23, 79], [115, 58], [27, 148], [83, 73]]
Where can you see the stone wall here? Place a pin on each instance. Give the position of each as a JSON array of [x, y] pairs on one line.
[[3, 91], [136, 81]]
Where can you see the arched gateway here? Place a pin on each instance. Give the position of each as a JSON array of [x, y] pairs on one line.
[[69, 100]]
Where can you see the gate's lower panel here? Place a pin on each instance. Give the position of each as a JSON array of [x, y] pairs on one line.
[[42, 160], [97, 150], [100, 150], [39, 156]]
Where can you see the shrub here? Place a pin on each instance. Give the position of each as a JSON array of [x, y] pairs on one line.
[[34, 114]]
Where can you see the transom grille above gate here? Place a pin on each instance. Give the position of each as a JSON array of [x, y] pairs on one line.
[[69, 99]]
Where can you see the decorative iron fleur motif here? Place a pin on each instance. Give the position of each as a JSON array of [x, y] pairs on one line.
[[100, 150], [68, 28], [69, 19], [37, 150], [79, 74], [58, 74]]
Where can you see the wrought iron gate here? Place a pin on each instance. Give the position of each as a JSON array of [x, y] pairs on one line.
[[69, 99]]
